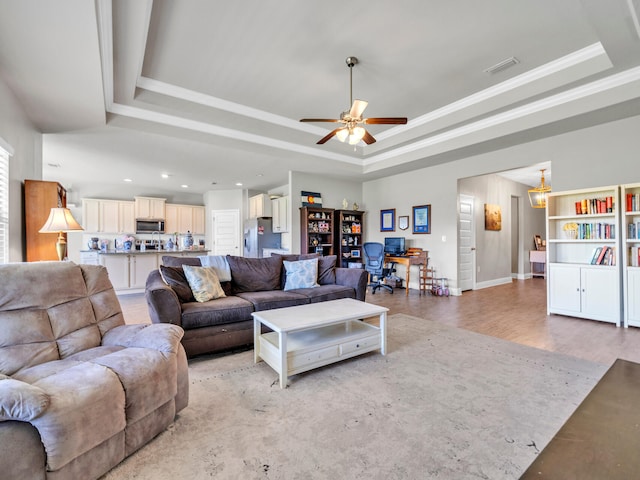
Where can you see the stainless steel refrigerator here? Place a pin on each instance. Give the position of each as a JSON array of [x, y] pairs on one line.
[[258, 235]]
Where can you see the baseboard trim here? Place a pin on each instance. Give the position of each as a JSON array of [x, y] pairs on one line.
[[493, 283]]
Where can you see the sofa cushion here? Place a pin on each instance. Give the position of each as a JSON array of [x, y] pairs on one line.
[[216, 312], [291, 257], [301, 274], [176, 279], [204, 283], [324, 293], [21, 401], [255, 274], [274, 299], [327, 270], [171, 261]]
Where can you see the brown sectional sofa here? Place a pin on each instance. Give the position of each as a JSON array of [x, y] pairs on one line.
[[256, 284], [79, 389]]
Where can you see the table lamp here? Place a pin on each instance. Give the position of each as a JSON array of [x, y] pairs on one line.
[[60, 220]]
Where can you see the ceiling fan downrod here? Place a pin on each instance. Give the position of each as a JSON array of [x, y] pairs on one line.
[[351, 61]]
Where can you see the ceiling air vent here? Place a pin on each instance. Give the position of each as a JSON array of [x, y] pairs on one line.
[[504, 64]]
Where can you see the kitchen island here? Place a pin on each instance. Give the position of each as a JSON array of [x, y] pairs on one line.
[[128, 270]]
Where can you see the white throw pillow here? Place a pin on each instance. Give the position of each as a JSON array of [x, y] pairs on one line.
[[204, 283], [301, 274]]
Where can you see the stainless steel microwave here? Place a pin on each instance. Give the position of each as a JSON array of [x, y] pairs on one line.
[[149, 226]]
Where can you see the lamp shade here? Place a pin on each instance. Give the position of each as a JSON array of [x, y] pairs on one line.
[[60, 220]]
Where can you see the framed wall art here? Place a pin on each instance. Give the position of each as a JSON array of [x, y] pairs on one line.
[[388, 220], [403, 222], [422, 219], [492, 217]]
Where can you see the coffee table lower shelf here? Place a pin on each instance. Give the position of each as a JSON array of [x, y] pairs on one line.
[[309, 349]]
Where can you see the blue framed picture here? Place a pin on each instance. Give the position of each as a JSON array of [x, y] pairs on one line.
[[422, 219], [388, 220]]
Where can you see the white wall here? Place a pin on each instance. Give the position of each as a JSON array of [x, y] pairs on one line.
[[601, 155], [333, 191], [26, 163]]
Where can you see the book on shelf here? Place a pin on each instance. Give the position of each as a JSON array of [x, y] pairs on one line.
[[633, 202], [634, 259], [602, 254], [633, 231], [596, 254], [592, 206]]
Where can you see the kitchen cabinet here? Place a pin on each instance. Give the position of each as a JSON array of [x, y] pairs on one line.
[[184, 218], [108, 216], [281, 216], [259, 206], [129, 271], [150, 208], [39, 198]]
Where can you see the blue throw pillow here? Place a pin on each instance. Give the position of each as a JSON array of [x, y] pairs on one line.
[[301, 274]]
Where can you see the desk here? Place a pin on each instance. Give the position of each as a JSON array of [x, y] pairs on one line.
[[537, 256], [407, 261]]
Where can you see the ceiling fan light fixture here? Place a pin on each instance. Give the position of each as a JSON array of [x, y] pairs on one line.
[[342, 134], [355, 135], [538, 195]]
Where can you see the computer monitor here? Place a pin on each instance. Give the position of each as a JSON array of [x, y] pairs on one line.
[[394, 245]]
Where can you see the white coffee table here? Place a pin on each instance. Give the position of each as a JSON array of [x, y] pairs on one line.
[[311, 336]]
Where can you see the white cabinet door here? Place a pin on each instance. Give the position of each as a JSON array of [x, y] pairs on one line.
[[564, 289], [91, 215], [633, 296], [185, 218], [140, 266], [149, 207], [599, 294], [171, 219], [259, 206], [127, 217], [198, 221], [118, 270], [109, 216], [280, 212]]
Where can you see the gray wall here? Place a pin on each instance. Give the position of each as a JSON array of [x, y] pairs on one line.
[[596, 156], [26, 163]]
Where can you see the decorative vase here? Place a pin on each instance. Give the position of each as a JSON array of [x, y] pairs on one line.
[[187, 241], [127, 244]]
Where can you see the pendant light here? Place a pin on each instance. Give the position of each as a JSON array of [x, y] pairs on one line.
[[538, 195]]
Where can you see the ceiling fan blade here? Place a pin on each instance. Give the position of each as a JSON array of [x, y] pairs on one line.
[[385, 121], [327, 137], [319, 120], [368, 138], [357, 108]]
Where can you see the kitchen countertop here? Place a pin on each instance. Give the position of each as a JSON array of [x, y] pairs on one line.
[[146, 252]]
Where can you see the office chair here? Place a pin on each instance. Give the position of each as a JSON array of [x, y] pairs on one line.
[[374, 264]]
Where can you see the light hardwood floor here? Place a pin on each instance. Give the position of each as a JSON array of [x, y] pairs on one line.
[[514, 312]]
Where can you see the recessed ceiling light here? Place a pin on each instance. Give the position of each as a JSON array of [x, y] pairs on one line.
[[165, 175], [128, 180], [260, 175], [184, 186], [239, 184]]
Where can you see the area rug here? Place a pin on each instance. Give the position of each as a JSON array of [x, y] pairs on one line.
[[443, 403]]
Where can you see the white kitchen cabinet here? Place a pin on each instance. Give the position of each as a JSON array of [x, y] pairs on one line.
[[129, 271], [140, 266], [108, 216], [198, 221], [259, 206], [184, 218], [584, 291], [150, 208], [118, 270], [280, 212]]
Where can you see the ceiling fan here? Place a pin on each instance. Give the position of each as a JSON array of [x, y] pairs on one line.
[[352, 131]]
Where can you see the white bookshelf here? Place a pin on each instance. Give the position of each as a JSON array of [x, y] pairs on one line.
[[576, 286], [630, 245]]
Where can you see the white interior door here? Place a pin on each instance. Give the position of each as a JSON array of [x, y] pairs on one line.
[[226, 233], [466, 244]]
